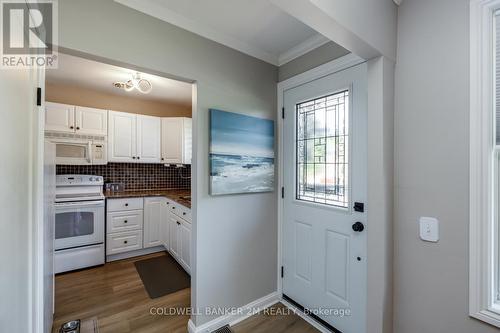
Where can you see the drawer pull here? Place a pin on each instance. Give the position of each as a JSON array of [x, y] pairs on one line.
[[125, 242]]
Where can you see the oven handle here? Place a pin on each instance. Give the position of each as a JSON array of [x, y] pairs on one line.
[[80, 204]]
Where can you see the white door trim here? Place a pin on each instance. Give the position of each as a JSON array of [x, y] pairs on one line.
[[331, 67], [482, 273], [36, 236]]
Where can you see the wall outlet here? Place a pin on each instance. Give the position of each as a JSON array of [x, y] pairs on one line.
[[429, 229]]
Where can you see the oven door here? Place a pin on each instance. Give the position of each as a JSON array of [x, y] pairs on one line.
[[79, 224]]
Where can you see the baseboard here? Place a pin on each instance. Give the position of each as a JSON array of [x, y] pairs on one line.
[[232, 319], [307, 318], [136, 253]]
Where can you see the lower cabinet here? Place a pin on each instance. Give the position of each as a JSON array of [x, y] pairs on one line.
[[124, 242], [155, 212], [180, 241], [135, 226]]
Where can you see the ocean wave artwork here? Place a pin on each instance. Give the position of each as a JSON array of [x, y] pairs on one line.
[[241, 153]]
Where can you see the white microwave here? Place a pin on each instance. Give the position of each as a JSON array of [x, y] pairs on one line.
[[80, 150]]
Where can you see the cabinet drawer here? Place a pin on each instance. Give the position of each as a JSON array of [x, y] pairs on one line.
[[180, 211], [124, 242], [124, 221], [115, 205]]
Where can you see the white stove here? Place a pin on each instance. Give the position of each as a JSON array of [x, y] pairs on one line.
[[79, 226]]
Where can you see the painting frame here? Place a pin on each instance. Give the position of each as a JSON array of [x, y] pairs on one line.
[[241, 153]]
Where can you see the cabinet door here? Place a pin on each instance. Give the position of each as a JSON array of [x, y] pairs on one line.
[[185, 246], [122, 137], [148, 139], [153, 210], [172, 132], [165, 225], [174, 238], [59, 117], [187, 136], [91, 121]]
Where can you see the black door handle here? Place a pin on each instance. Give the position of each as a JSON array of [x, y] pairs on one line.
[[358, 227]]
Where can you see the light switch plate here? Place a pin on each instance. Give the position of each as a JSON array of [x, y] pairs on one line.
[[429, 229]]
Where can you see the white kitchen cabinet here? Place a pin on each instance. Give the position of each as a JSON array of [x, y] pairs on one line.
[[59, 117], [165, 224], [174, 236], [133, 138], [154, 214], [176, 140], [90, 121], [185, 246], [180, 240], [148, 139], [75, 119], [122, 137]]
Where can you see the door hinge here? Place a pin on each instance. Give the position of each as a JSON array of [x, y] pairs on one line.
[[283, 113], [282, 192], [282, 271], [39, 96]]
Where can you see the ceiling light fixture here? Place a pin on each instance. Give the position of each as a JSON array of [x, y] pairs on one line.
[[143, 85]]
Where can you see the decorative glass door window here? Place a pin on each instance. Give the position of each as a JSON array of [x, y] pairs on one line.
[[323, 150]]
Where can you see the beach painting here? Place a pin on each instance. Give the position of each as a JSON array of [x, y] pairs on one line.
[[241, 153]]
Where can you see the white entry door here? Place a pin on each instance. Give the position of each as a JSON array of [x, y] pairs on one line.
[[325, 190]]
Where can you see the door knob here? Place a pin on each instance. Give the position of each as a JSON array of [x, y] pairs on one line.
[[358, 227]]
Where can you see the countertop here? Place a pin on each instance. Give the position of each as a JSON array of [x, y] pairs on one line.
[[182, 197]]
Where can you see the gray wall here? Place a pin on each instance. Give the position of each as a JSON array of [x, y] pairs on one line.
[[314, 58], [431, 168], [235, 254]]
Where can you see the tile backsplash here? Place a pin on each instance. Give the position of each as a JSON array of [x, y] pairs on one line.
[[135, 176]]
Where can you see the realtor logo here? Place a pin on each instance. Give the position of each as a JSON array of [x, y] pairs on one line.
[[29, 33]]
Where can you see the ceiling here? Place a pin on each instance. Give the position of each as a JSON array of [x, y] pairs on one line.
[[254, 27], [76, 71]]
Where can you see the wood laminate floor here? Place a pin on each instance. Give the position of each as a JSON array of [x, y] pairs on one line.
[[115, 295]]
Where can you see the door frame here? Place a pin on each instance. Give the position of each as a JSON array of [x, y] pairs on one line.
[[331, 67]]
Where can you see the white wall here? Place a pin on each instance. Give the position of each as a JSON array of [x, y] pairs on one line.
[[235, 236], [15, 195], [432, 168]]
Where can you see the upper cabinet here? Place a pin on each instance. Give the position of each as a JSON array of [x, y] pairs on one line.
[[133, 138], [59, 117], [176, 142], [122, 144], [91, 121], [148, 139], [75, 119]]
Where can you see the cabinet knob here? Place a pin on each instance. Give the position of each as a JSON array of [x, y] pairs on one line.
[[126, 205], [71, 127], [183, 213], [138, 158], [125, 221], [125, 242], [178, 223], [173, 207], [133, 157], [77, 128], [162, 159]]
